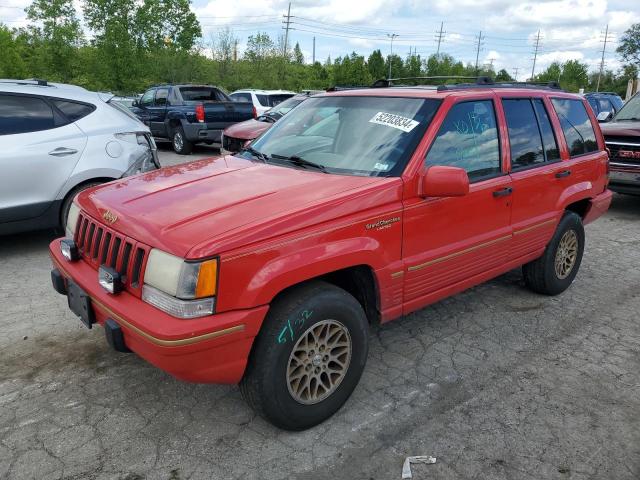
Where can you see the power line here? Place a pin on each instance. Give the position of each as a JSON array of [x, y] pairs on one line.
[[535, 54]]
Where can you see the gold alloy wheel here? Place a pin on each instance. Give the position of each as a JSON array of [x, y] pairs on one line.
[[566, 254], [319, 362]]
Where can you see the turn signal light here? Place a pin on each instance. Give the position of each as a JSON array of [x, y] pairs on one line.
[[207, 279]]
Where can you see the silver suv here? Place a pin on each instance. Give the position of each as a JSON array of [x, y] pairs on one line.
[[57, 140]]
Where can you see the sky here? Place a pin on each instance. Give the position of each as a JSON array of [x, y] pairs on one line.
[[569, 29]]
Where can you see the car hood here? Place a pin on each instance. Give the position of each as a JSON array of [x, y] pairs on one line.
[[214, 205], [247, 130], [614, 128]]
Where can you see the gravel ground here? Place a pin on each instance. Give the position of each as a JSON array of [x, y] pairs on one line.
[[496, 382]]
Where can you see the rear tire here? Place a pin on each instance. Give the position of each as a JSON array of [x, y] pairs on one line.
[[308, 357], [555, 270], [180, 144]]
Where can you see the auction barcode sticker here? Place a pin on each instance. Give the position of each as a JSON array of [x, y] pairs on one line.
[[395, 121]]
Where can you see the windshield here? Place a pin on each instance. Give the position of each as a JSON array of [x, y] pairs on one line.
[[372, 136], [284, 107], [630, 110]]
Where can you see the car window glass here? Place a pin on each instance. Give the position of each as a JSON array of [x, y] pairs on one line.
[[594, 104], [468, 138], [147, 98], [576, 126], [241, 97], [548, 137], [74, 111], [604, 105], [524, 135], [21, 114], [161, 96]]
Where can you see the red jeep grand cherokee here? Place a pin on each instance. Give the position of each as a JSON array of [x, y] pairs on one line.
[[267, 267]]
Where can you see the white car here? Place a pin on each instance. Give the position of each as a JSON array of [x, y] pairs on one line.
[[58, 140], [262, 100]]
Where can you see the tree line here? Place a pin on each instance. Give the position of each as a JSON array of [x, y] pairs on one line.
[[132, 44]]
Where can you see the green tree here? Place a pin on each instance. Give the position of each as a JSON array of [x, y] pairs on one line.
[[629, 48], [11, 62], [503, 76], [60, 35], [375, 64], [166, 23], [298, 57]]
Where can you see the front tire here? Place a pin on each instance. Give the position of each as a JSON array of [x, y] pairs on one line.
[[308, 357], [554, 271], [180, 144]]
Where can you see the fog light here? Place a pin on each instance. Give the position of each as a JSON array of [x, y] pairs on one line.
[[69, 249], [109, 279]]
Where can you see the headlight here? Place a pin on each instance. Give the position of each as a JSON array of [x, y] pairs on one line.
[[143, 155], [72, 220], [181, 288]]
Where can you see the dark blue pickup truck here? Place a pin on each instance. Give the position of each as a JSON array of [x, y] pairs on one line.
[[189, 114]]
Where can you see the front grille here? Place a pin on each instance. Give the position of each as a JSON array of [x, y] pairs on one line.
[[100, 245], [624, 152]]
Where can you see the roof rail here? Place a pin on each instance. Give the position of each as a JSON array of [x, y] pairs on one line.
[[337, 88], [481, 81], [27, 81]]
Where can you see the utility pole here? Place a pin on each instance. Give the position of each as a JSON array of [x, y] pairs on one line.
[[440, 37], [535, 54], [392, 36], [314, 50], [515, 73], [480, 38], [235, 51], [287, 22], [604, 48]]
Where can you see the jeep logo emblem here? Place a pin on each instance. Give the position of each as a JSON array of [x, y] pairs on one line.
[[109, 217]]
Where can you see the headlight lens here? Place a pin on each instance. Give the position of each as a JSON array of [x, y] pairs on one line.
[[176, 283], [72, 220], [143, 154]]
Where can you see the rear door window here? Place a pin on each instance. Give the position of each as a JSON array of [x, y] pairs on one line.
[[468, 139], [530, 134], [74, 111], [23, 114], [576, 126]]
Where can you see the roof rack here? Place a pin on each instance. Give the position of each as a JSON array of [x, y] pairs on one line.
[[27, 81], [479, 82], [337, 88]]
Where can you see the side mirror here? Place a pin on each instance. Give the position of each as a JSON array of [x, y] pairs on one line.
[[440, 181], [604, 116], [135, 103]]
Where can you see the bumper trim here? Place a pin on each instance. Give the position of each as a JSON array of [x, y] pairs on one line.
[[157, 341]]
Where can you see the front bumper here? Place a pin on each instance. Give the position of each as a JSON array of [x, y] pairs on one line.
[[211, 349], [200, 132], [624, 178]]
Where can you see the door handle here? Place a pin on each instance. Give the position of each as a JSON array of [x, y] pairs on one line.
[[503, 192], [562, 174], [63, 152]]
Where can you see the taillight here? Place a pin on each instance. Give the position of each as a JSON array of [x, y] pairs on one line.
[[200, 112], [255, 112]]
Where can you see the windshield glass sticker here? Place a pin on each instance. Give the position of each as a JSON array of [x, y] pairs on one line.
[[381, 166], [395, 121]]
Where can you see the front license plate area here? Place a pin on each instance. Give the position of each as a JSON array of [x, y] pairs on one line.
[[80, 304]]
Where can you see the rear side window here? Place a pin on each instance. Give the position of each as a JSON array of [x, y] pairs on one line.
[[272, 100], [74, 111], [546, 130], [241, 97], [468, 139], [22, 114], [576, 126], [199, 94]]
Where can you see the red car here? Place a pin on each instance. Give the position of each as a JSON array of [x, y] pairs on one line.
[[622, 137], [237, 136], [266, 268]]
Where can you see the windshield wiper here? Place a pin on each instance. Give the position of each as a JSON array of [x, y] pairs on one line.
[[301, 162], [255, 153]]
